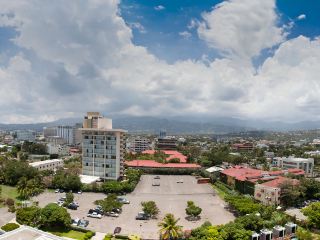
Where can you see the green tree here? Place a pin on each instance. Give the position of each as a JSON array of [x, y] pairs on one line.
[[28, 188], [303, 234], [53, 215], [109, 203], [313, 214], [66, 180], [291, 194], [311, 188], [29, 216], [169, 228], [69, 198], [150, 208], [192, 210]]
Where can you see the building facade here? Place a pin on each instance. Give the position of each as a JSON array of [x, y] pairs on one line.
[[52, 164], [25, 135], [103, 148], [140, 144], [306, 164], [66, 132]]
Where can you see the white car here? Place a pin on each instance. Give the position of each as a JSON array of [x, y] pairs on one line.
[[180, 181], [57, 191], [123, 200], [112, 214], [75, 222], [94, 215]]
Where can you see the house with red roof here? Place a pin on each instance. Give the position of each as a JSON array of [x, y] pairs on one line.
[[269, 193], [244, 179]]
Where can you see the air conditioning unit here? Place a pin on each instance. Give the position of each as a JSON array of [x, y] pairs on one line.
[[278, 232], [291, 228], [255, 236], [265, 234]]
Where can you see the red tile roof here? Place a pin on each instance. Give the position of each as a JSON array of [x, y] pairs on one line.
[[154, 164], [243, 173], [172, 154], [278, 181]]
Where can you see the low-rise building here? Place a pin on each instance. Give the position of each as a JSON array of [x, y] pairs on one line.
[[25, 135], [269, 192], [52, 164], [242, 147], [140, 144], [61, 150], [306, 164]]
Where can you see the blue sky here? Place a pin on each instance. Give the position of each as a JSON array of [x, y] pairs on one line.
[[250, 59], [162, 27]]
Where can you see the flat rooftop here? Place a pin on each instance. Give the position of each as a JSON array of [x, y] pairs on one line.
[[35, 164], [28, 233]]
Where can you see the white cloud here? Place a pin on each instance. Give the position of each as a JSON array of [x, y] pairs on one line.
[[70, 62], [159, 8], [193, 24], [185, 34], [241, 28], [301, 17], [138, 26]]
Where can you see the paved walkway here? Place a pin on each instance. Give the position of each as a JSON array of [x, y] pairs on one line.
[[5, 216], [98, 236]]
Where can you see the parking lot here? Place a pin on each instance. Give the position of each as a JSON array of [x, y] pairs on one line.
[[170, 197]]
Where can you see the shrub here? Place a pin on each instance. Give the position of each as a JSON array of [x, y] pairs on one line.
[[88, 235], [10, 202], [10, 227], [11, 209], [108, 237]]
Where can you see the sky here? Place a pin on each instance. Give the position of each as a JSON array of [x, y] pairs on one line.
[[248, 59]]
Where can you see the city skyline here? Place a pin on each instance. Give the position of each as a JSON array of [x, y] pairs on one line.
[[238, 58]]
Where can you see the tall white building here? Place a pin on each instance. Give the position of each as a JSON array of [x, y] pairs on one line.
[[103, 147], [140, 144], [306, 164], [66, 132]]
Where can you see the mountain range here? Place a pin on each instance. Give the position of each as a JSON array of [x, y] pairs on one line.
[[178, 125]]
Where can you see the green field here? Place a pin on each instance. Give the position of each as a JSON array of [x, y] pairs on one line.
[[9, 192]]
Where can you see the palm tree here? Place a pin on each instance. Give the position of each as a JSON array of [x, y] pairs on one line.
[[169, 228], [22, 188]]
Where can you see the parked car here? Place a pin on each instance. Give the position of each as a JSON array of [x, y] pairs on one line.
[[97, 210], [157, 177], [112, 214], [57, 191], [156, 184], [62, 199], [180, 181], [72, 206], [61, 191], [94, 215], [60, 203], [117, 210], [142, 216], [75, 222], [83, 223], [123, 200], [117, 230], [79, 192]]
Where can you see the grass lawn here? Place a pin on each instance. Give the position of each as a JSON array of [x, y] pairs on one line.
[[65, 233], [9, 192]]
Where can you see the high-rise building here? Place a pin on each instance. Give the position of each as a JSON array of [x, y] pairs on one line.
[[25, 135], [103, 148], [66, 132], [140, 144]]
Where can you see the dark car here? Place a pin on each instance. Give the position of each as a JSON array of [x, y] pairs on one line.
[[91, 211], [117, 210], [157, 177], [61, 191], [98, 210], [73, 206], [117, 230], [83, 223], [142, 216]]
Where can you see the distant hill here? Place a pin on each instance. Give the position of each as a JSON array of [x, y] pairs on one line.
[[178, 125]]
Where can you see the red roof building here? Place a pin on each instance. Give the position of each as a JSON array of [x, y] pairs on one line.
[[153, 164]]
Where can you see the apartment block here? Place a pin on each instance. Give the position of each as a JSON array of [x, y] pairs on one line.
[[103, 148]]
